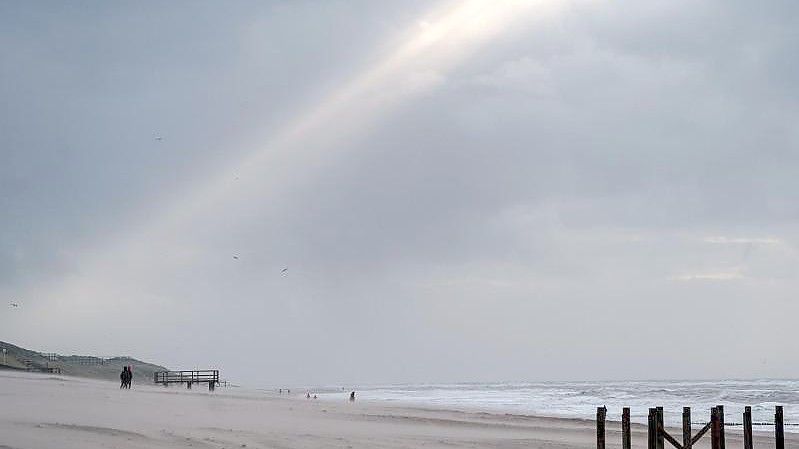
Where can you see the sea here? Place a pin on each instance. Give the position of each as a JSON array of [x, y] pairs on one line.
[[580, 399]]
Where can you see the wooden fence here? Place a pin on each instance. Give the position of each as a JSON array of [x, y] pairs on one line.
[[657, 434]]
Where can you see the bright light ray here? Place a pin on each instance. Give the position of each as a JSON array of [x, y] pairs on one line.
[[448, 36], [432, 48]]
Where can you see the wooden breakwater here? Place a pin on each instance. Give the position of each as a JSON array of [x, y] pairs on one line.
[[657, 435]]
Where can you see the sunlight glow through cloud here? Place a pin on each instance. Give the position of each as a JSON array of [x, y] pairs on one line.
[[433, 46], [441, 179]]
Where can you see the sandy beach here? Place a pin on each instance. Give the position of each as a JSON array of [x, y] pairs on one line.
[[41, 411]]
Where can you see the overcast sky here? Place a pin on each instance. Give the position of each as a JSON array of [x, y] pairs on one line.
[[461, 191]]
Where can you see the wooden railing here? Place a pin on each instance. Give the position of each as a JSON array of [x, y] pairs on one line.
[[188, 377]]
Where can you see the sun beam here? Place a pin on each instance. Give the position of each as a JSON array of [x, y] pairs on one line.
[[428, 51]]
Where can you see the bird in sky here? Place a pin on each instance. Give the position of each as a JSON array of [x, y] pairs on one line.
[[159, 138], [13, 304], [236, 257], [284, 272]]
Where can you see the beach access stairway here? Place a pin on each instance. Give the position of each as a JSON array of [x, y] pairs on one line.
[[188, 377]]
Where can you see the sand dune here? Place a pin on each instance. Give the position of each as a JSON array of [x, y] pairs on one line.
[[44, 411]]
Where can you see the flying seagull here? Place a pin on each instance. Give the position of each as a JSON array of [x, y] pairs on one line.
[[13, 304], [284, 272], [236, 257], [159, 138]]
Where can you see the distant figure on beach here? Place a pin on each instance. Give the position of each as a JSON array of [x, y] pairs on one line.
[[314, 396], [352, 397], [125, 377], [307, 395], [130, 375], [280, 391]]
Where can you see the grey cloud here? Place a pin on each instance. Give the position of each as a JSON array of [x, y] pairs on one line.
[[573, 185]]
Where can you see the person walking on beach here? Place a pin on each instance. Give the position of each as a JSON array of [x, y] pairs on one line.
[[123, 377], [352, 397], [130, 375]]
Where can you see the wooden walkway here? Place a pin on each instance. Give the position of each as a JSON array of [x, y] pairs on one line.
[[188, 377]]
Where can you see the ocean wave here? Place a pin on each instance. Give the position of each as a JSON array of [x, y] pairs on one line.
[[580, 399]]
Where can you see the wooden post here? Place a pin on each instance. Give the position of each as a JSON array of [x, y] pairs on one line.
[[600, 427], [779, 431], [722, 440], [626, 442], [651, 423], [747, 427], [714, 429], [686, 427], [659, 427]]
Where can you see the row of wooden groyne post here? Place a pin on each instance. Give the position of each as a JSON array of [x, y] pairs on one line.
[[657, 434]]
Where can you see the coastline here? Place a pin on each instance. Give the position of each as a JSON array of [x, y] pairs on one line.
[[47, 411]]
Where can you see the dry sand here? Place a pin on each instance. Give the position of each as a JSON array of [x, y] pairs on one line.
[[44, 411]]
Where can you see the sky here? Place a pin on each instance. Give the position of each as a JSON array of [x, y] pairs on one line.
[[462, 190]]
